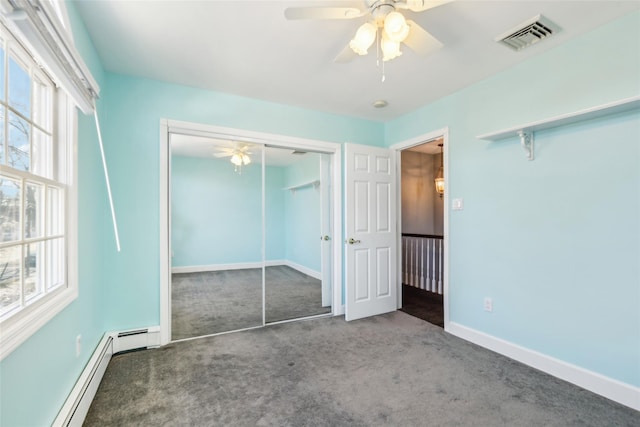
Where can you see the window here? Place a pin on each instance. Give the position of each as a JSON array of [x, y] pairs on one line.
[[37, 195]]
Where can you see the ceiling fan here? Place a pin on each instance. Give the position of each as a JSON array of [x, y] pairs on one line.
[[386, 25], [239, 154]]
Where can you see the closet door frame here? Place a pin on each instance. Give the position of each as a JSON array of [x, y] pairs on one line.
[[168, 126]]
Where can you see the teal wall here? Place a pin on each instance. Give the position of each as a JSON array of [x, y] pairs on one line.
[[302, 213], [275, 208], [217, 213], [133, 110], [36, 378], [554, 241]]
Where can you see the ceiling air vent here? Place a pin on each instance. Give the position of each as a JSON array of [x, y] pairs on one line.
[[528, 33]]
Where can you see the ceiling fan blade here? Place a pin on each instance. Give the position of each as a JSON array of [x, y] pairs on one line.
[[323, 13], [420, 5], [346, 55], [420, 41], [220, 155]]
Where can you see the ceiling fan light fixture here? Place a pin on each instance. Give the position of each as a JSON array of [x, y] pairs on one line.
[[395, 27], [240, 159], [364, 38], [236, 159], [390, 49]]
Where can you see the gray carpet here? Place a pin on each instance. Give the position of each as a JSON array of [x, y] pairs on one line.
[[290, 294], [220, 301], [389, 370]]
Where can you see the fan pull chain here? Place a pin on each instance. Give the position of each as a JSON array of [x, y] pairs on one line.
[[378, 47], [378, 51]]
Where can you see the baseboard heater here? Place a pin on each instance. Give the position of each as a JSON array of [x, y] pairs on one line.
[[136, 339], [77, 405]]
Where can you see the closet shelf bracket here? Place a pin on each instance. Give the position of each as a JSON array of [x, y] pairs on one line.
[[526, 140]]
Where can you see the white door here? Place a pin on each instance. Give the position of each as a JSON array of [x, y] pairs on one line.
[[370, 225]]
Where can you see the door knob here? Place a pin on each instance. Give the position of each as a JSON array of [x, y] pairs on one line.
[[325, 237], [351, 241]]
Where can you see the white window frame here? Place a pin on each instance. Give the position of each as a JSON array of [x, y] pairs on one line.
[[17, 327]]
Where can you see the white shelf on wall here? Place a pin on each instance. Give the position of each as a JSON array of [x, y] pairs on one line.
[[315, 184], [525, 131]]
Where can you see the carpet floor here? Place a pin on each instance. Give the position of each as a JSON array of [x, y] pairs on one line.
[[219, 301], [388, 370], [424, 305]]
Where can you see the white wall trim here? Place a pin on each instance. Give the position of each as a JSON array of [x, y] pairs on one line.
[[165, 234], [216, 267], [245, 265], [275, 262], [610, 388], [421, 139], [76, 407], [304, 270]]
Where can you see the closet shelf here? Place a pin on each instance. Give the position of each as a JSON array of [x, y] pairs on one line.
[[315, 183], [525, 131]]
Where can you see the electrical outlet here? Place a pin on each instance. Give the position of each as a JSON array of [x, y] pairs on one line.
[[78, 345], [488, 304]]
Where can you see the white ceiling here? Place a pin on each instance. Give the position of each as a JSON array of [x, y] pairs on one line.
[[248, 48]]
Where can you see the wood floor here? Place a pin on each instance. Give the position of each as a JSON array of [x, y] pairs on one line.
[[424, 305]]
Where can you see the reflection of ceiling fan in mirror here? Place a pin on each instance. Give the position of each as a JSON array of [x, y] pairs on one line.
[[239, 155], [385, 24]]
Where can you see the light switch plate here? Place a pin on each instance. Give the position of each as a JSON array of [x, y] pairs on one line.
[[457, 204]]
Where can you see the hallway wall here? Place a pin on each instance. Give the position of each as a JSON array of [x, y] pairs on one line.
[[422, 206]]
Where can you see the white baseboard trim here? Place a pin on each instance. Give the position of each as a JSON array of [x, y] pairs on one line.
[[216, 267], [302, 269], [245, 265], [75, 408], [275, 262], [79, 400], [610, 388]]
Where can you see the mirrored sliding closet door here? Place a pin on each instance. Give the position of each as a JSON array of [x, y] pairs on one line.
[[293, 235], [249, 235], [216, 236]]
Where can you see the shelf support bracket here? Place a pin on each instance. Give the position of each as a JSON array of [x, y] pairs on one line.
[[526, 140]]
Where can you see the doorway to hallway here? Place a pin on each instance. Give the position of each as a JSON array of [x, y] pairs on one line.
[[422, 219]]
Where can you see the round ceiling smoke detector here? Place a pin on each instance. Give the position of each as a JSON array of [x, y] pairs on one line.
[[381, 103]]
